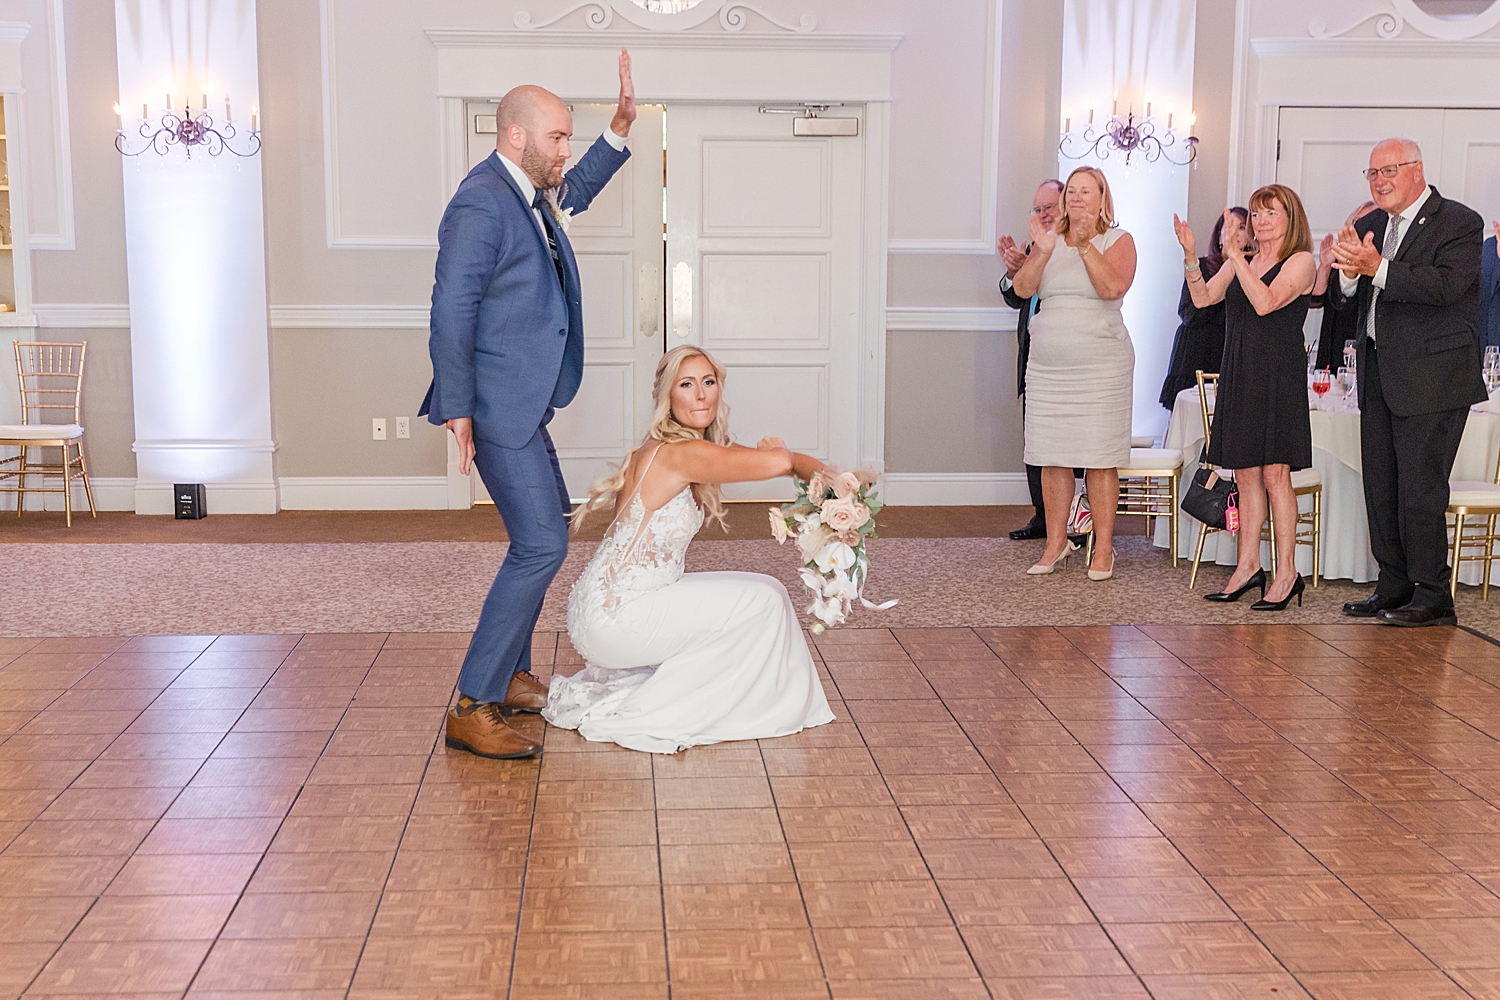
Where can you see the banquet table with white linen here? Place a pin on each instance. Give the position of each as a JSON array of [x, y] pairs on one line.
[[1336, 457]]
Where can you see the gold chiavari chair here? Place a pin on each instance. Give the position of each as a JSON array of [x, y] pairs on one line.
[[1477, 500], [51, 381], [1149, 485]]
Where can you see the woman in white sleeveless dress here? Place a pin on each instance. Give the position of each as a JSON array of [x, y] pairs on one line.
[[677, 660], [1080, 376]]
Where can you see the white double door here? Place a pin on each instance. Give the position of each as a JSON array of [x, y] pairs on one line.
[[1323, 153], [734, 235]]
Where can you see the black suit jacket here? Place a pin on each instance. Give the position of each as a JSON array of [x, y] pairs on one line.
[[1427, 316], [1023, 332]]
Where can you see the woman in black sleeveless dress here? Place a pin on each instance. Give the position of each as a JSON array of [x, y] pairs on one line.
[[1261, 428]]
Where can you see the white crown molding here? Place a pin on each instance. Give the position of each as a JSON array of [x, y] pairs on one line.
[[1391, 23], [62, 150], [952, 489], [879, 42], [1381, 48], [14, 32], [599, 14], [243, 446], [364, 492], [945, 319]]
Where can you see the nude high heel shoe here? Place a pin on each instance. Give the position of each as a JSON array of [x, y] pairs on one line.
[[1104, 574], [1041, 569]]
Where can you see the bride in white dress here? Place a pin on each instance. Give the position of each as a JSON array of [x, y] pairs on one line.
[[676, 660]]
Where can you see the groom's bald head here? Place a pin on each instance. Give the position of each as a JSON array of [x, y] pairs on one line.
[[532, 128]]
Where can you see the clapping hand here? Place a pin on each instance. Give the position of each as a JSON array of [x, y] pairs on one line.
[[1186, 238], [1045, 239], [1232, 236], [1496, 227], [625, 109], [1325, 252], [1013, 255], [1354, 256]]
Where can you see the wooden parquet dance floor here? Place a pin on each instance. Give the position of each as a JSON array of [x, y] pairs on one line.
[[1184, 813]]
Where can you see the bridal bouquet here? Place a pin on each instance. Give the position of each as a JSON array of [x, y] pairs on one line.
[[832, 516]]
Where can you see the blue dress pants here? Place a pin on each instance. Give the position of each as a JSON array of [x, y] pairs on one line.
[[532, 499]]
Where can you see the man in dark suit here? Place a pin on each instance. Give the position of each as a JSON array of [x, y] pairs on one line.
[[1489, 290], [507, 350], [1046, 205], [1415, 268]]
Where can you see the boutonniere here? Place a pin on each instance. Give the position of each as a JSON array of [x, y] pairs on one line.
[[562, 217]]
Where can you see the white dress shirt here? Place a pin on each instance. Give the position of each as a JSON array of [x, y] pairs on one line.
[[1407, 215], [528, 189]]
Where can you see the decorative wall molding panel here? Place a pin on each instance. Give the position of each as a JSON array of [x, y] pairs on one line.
[[989, 181], [62, 153], [598, 15], [1391, 23], [110, 316], [83, 315], [364, 492], [953, 489], [951, 320]]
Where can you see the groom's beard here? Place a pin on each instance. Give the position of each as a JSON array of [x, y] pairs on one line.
[[545, 172]]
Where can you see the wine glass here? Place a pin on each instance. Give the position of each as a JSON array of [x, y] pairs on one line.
[[1321, 380], [1349, 354], [1492, 367]]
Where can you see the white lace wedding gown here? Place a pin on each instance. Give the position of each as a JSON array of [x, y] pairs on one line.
[[676, 660]]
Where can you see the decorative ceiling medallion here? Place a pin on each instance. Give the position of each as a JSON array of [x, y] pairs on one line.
[[666, 15], [1390, 23]]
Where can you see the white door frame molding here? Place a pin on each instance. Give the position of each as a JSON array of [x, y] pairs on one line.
[[1413, 73], [709, 68]]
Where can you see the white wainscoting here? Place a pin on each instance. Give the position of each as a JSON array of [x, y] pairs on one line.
[[364, 492], [953, 489]]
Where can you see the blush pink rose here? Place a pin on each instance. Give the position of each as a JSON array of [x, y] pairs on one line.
[[778, 525], [845, 484], [845, 514]]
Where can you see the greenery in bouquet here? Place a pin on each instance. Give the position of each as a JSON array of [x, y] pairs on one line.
[[830, 520]]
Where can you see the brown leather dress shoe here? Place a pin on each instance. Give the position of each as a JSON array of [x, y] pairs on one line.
[[484, 733], [525, 694]]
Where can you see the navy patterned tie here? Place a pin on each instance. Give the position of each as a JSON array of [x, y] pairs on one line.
[[545, 211]]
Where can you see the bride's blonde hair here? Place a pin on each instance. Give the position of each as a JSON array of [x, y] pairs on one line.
[[604, 494]]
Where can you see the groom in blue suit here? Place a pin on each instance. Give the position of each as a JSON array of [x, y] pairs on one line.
[[507, 351]]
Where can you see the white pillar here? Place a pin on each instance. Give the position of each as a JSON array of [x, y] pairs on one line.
[[1134, 50], [195, 249]]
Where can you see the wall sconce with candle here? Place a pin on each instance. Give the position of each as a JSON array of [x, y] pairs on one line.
[[190, 131], [1130, 135]]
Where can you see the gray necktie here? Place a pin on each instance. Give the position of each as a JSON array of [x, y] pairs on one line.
[[1388, 251]]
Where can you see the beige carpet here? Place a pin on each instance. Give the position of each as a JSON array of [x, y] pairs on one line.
[[129, 589]]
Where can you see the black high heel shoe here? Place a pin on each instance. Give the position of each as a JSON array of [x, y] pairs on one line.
[[1229, 597], [1296, 591]]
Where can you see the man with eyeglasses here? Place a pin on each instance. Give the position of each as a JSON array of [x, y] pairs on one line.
[[1046, 206], [1415, 269]]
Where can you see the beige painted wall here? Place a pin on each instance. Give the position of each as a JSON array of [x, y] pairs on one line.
[[328, 383]]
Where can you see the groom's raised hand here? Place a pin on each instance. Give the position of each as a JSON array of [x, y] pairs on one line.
[[625, 110]]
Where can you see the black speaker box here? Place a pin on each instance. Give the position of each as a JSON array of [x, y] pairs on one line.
[[189, 501]]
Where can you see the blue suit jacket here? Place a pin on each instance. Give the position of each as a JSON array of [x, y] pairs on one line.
[[1489, 295], [507, 340]]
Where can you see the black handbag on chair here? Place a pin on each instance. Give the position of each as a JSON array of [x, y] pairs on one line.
[[1210, 497]]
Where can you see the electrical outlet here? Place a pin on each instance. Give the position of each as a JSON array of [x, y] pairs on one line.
[[403, 427], [378, 426]]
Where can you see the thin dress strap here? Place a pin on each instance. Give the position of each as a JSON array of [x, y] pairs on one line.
[[624, 507]]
